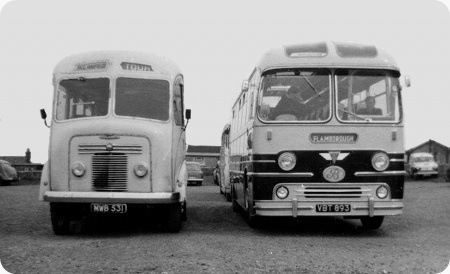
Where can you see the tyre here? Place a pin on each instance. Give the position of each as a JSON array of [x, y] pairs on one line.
[[372, 222], [60, 219], [174, 218], [228, 197], [252, 220], [5, 183], [234, 204], [184, 213]]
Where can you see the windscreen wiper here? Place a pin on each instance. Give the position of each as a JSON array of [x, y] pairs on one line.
[[311, 85]]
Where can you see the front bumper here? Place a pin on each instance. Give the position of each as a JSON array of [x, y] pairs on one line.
[[112, 197], [194, 180], [304, 197], [296, 208], [427, 172]]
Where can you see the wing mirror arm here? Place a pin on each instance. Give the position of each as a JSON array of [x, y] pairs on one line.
[[44, 117]]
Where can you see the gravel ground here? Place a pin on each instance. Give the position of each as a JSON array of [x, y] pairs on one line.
[[217, 240]]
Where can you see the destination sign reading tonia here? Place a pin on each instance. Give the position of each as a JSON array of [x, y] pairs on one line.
[[333, 138]]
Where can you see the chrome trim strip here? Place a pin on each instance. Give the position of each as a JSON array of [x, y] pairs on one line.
[[397, 160], [269, 174], [381, 173], [254, 161], [112, 197]]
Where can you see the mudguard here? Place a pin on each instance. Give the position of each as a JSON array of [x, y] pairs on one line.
[[182, 181], [45, 181]]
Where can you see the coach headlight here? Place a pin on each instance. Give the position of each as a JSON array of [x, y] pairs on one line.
[[78, 169], [287, 161], [140, 169], [382, 192], [380, 161], [282, 192]]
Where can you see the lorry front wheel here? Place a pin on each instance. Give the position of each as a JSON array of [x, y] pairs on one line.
[[174, 218], [60, 220]]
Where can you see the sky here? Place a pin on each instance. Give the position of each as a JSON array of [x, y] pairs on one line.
[[216, 44]]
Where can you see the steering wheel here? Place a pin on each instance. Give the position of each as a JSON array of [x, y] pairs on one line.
[[289, 114]]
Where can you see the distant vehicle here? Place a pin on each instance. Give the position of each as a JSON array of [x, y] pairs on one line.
[[195, 173], [422, 164], [8, 173]]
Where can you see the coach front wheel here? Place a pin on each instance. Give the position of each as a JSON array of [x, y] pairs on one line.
[[372, 222]]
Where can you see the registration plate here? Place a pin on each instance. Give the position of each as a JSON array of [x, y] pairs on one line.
[[333, 208], [108, 208]]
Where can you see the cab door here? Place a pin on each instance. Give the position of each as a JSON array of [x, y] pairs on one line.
[[178, 133]]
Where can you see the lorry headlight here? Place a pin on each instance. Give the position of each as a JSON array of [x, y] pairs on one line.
[[282, 192], [287, 161], [380, 161], [382, 192], [140, 169], [78, 169]]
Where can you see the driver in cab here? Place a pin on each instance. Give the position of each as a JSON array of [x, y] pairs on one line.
[[290, 105]]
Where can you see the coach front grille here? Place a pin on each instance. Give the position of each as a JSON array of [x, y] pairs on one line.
[[332, 192], [109, 172]]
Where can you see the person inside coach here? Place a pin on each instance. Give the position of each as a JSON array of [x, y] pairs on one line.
[[291, 103], [370, 107]]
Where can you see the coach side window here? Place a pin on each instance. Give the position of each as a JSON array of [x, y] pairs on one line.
[[178, 103]]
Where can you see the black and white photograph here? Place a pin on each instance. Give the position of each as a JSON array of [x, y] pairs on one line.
[[224, 136]]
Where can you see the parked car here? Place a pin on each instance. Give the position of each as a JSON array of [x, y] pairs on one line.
[[195, 174], [8, 173], [422, 164]]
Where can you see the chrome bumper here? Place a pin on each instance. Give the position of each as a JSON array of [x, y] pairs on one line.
[[426, 172], [195, 180], [111, 197], [296, 208]]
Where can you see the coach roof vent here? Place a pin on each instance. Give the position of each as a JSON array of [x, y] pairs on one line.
[[307, 50], [355, 50]]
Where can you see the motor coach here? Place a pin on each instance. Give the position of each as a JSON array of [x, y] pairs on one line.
[[117, 140], [317, 130]]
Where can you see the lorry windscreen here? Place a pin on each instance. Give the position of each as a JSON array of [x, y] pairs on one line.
[[144, 98], [82, 97]]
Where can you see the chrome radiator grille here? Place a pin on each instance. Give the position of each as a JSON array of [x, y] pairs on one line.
[[101, 148], [332, 192], [109, 172]]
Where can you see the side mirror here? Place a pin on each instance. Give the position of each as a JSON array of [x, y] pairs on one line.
[[407, 81], [44, 116], [244, 87], [188, 114]]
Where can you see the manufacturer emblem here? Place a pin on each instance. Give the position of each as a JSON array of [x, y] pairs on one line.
[[109, 136], [109, 147], [333, 174], [334, 156]]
